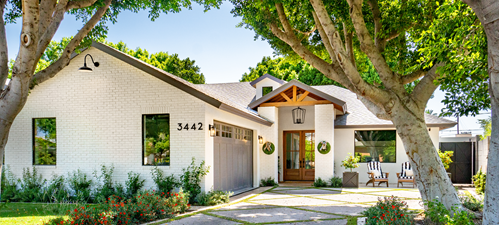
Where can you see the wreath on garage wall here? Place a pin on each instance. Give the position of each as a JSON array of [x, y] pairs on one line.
[[324, 147], [268, 148]]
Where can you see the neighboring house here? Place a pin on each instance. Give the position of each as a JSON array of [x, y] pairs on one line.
[[131, 115]]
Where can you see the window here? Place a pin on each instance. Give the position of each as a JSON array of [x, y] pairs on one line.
[[266, 90], [44, 141], [238, 134], [156, 139], [248, 135], [227, 131], [375, 145]]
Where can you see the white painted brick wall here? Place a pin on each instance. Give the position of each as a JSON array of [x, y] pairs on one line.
[[324, 116], [269, 163], [99, 120]]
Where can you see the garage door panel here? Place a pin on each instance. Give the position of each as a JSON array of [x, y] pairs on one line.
[[233, 158]]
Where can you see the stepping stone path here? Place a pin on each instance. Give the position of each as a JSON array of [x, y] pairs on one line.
[[300, 205]]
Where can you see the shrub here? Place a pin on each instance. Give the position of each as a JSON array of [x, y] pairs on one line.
[[163, 183], [31, 186], [268, 182], [105, 187], [479, 181], [445, 158], [81, 185], [191, 178], [8, 189], [145, 207], [336, 182], [320, 183], [389, 210], [133, 184], [471, 203], [213, 198], [56, 191], [437, 213]]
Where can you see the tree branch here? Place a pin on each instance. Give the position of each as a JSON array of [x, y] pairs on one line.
[[4, 55], [367, 45], [51, 30], [47, 8], [424, 89], [348, 45], [75, 4], [413, 76], [379, 42], [64, 60]]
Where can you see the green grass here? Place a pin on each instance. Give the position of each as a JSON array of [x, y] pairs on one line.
[[32, 213]]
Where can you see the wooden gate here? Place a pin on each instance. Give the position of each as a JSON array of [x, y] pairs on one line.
[[461, 168]]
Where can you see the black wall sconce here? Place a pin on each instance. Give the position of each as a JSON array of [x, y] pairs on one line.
[[85, 68], [261, 140], [299, 115], [211, 130]]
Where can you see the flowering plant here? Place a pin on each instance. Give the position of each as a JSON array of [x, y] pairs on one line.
[[445, 158], [350, 162], [389, 210], [144, 207]]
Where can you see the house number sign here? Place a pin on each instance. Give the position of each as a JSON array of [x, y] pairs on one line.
[[186, 126]]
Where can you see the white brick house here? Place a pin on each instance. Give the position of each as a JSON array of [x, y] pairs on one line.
[[102, 118]]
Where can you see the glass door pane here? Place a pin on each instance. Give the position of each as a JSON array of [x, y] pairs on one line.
[[309, 150], [292, 150]]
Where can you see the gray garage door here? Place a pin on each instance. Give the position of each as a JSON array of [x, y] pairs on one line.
[[233, 161]]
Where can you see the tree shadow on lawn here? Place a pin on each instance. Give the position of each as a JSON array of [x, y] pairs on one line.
[[33, 213]]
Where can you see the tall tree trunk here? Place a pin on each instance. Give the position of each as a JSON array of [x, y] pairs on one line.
[[431, 177], [487, 12]]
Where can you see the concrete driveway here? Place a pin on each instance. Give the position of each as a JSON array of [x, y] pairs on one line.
[[298, 205]]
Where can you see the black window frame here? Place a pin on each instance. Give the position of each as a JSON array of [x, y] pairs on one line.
[[142, 135], [395, 145], [33, 142]]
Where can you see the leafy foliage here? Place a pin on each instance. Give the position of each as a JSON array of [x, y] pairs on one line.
[[164, 183], [9, 185], [81, 186], [320, 183], [191, 178], [486, 126], [183, 68], [437, 213], [269, 181], [31, 186], [446, 158], [389, 210], [213, 197], [104, 184], [133, 184], [56, 191], [336, 182], [471, 203], [142, 208], [479, 181]]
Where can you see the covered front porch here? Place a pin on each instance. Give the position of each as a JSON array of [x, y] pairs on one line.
[[303, 118]]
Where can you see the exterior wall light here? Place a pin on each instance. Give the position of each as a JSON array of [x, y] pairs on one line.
[[261, 140], [85, 68], [211, 130], [299, 115]]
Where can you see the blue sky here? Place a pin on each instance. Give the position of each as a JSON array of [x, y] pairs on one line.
[[222, 51]]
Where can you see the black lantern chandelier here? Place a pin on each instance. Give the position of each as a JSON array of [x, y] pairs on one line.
[[299, 115]]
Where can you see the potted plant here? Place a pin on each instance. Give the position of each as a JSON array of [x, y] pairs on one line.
[[446, 159], [350, 179]]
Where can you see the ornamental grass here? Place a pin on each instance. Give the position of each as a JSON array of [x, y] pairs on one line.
[[144, 207]]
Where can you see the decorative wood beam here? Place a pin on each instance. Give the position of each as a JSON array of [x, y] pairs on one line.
[[306, 103], [303, 96], [286, 97], [294, 93]]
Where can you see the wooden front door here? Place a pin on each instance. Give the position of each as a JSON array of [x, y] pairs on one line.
[[298, 155]]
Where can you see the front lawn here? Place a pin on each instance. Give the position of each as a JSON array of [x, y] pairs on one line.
[[32, 213]]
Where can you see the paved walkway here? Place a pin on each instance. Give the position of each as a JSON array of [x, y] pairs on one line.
[[299, 205]]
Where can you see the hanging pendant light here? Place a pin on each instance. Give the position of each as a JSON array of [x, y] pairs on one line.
[[299, 115]]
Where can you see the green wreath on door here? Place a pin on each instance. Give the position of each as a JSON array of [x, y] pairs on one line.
[[268, 148], [324, 147]]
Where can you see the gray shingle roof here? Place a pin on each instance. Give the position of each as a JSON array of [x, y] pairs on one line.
[[279, 81], [359, 116]]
